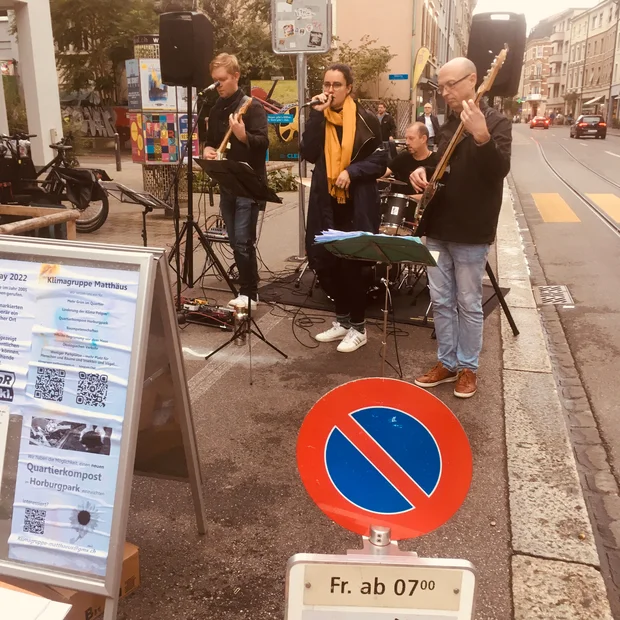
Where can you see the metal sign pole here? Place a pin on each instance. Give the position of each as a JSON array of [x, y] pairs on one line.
[[302, 79]]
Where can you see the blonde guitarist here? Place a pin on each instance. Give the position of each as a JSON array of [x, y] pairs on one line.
[[238, 130], [460, 220]]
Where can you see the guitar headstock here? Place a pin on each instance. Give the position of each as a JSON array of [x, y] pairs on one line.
[[244, 108], [491, 74]]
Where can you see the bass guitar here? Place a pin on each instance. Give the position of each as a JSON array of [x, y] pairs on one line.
[[433, 184]]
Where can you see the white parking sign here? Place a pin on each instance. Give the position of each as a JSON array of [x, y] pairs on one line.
[[378, 587]]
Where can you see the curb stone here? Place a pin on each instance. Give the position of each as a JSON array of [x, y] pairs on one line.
[[557, 553]]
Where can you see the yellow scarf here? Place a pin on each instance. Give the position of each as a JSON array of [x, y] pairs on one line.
[[337, 155]]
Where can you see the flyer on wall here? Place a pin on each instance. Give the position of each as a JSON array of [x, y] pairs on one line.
[[65, 346]]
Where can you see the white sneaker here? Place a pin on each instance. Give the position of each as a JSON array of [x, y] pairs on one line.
[[335, 332], [242, 302], [352, 341]]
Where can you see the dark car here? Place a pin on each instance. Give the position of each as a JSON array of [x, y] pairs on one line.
[[539, 121], [589, 125]]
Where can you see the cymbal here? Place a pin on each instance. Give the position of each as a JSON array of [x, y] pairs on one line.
[[391, 181]]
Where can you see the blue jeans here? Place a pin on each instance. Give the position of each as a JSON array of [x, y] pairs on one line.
[[241, 217], [456, 292]]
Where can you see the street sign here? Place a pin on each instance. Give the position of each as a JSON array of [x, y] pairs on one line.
[[384, 452], [370, 587], [399, 76], [301, 26]]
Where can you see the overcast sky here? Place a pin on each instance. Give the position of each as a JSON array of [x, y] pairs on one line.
[[534, 10]]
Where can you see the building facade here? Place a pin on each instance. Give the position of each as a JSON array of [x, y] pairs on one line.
[[404, 26], [584, 53], [536, 72]]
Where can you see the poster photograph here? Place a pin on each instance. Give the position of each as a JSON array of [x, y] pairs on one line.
[[279, 98], [155, 94]]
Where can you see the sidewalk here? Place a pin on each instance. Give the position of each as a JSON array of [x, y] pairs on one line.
[[524, 524]]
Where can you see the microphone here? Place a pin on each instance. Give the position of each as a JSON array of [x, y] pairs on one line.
[[208, 88], [313, 102]]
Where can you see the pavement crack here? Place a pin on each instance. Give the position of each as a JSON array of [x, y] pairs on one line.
[[535, 556]]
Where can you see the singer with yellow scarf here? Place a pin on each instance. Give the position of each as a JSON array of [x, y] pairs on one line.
[[344, 143]]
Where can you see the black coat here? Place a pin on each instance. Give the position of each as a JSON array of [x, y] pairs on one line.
[[256, 127], [368, 163], [434, 121], [466, 209], [388, 127]]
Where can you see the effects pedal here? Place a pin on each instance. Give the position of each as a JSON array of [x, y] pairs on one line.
[[200, 312]]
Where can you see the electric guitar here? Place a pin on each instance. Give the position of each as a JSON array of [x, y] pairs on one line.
[[433, 184], [221, 151]]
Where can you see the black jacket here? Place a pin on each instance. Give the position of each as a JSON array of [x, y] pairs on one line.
[[434, 121], [256, 127], [368, 163], [466, 209], [388, 127]]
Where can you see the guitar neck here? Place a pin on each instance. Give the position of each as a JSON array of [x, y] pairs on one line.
[[456, 138], [222, 148]]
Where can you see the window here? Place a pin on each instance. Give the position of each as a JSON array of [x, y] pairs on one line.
[[538, 69], [594, 22], [616, 72], [4, 16], [539, 52], [595, 48], [600, 19], [572, 54]]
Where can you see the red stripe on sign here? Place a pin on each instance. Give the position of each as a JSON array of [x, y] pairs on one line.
[[384, 463]]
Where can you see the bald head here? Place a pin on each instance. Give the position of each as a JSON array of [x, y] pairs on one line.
[[457, 81]]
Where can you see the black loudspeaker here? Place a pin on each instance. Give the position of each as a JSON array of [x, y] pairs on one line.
[[489, 33], [185, 48]]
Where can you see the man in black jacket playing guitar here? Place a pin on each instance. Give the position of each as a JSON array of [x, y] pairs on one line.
[[248, 142], [460, 224]]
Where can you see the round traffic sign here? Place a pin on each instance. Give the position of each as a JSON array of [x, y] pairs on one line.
[[384, 452]]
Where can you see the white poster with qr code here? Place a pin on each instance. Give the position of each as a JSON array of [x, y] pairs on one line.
[[69, 367]]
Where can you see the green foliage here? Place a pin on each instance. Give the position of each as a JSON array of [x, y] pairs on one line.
[[92, 42], [281, 180], [15, 107], [368, 60], [510, 106]]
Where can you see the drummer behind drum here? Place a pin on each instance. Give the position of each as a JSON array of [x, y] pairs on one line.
[[417, 154]]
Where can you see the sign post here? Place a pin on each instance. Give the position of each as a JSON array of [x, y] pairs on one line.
[[389, 461], [90, 348], [301, 27]]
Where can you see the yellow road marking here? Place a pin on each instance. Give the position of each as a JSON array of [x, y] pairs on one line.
[[610, 203], [553, 208]]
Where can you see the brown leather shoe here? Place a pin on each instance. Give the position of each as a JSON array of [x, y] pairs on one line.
[[466, 384], [436, 376]]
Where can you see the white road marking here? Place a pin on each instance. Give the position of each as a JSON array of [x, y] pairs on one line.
[[564, 138], [613, 154], [582, 144]]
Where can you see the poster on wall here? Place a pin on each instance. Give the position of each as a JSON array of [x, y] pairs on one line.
[[300, 26], [155, 94], [183, 132], [279, 98], [66, 336], [137, 138], [134, 96], [161, 143]]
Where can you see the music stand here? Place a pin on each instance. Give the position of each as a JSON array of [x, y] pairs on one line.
[[127, 195], [385, 249], [239, 179]]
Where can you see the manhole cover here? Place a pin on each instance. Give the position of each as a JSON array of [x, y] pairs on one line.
[[554, 294]]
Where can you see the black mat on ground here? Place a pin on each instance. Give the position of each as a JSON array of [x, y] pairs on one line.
[[410, 305]]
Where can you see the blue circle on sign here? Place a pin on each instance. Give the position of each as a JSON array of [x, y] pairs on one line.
[[404, 439]]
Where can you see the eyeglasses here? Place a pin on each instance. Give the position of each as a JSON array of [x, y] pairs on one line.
[[334, 85], [450, 85]]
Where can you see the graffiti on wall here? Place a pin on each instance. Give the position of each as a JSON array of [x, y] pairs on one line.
[[92, 121]]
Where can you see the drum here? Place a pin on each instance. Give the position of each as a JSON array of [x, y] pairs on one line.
[[397, 215]]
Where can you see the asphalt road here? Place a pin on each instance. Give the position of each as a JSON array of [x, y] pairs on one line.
[[584, 255]]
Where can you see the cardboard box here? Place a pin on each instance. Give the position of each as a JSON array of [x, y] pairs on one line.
[[86, 606]]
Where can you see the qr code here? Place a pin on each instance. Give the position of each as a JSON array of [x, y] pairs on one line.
[[34, 521], [50, 384], [92, 389]]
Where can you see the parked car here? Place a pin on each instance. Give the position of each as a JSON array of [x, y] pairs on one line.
[[539, 121], [589, 125]]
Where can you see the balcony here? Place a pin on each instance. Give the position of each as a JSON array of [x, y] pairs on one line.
[[557, 36], [554, 79], [559, 57]]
